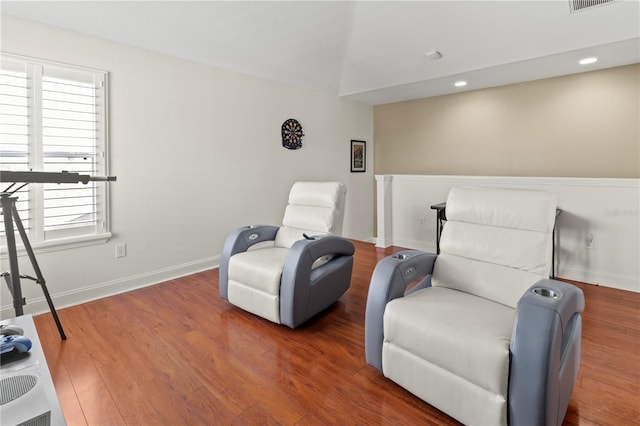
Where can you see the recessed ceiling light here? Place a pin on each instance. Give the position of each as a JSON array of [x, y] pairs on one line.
[[587, 61], [433, 55], [460, 83]]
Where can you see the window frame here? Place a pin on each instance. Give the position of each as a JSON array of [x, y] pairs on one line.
[[51, 240]]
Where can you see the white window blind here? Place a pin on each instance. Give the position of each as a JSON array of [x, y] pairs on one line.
[[53, 118]]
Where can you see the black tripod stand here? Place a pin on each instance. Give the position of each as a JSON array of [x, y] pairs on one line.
[[11, 217]]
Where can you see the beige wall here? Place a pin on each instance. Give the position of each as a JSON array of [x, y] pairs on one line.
[[197, 151], [584, 125]]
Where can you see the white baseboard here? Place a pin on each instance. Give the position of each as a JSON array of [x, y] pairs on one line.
[[415, 245], [600, 207], [604, 279], [39, 305], [382, 243]]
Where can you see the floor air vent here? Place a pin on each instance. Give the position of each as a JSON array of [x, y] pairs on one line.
[[14, 387], [578, 5], [23, 399]]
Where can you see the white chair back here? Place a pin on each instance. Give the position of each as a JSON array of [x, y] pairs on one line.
[[315, 208], [496, 242]]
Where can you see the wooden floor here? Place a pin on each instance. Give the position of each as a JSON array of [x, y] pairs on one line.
[[176, 354]]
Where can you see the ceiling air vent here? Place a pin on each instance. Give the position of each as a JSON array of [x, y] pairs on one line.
[[577, 5]]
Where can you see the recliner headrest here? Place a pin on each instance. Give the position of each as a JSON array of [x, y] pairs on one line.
[[508, 208], [320, 194]]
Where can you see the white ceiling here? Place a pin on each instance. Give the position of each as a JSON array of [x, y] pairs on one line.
[[372, 52]]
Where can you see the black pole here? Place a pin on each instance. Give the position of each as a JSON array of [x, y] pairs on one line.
[[39, 277], [8, 205], [11, 216]]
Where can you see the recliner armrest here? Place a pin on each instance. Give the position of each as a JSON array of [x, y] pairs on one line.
[[562, 298], [545, 352], [303, 253], [317, 246], [298, 274], [239, 240], [389, 281]]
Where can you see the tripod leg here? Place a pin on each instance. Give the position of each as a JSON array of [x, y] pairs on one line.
[[40, 279], [9, 283], [8, 209], [53, 310]]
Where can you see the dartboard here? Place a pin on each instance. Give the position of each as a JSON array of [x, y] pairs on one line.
[[292, 134]]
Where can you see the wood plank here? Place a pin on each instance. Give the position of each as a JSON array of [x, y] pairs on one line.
[[130, 399], [185, 356]]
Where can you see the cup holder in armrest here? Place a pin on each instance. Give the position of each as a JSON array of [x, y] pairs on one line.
[[547, 292], [401, 256]]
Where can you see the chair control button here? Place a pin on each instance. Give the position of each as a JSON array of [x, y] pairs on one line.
[[253, 236], [401, 256]]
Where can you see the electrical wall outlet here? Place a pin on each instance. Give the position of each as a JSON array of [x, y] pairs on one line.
[[121, 250], [588, 241]]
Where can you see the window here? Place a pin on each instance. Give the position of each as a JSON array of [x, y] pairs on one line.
[[53, 118]]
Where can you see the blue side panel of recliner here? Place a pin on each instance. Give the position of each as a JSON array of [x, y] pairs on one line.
[[305, 292], [301, 299], [545, 354], [238, 241], [389, 281]]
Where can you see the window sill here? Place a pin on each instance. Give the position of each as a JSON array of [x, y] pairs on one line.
[[60, 244]]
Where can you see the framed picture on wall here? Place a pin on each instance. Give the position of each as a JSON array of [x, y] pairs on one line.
[[358, 155]]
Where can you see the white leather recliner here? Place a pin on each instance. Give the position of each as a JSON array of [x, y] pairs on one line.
[[298, 269], [484, 336]]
